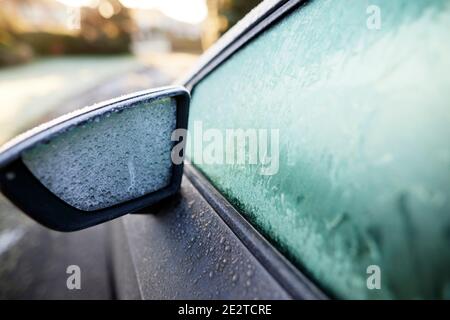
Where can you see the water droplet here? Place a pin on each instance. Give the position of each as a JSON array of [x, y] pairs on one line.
[[10, 176]]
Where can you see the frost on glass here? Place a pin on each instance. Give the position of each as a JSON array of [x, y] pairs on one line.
[[113, 158], [364, 120]]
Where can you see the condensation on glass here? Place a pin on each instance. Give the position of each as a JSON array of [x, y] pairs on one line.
[[113, 158]]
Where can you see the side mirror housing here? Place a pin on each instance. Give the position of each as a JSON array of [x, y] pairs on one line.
[[98, 163]]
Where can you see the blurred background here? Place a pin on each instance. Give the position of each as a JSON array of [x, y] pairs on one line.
[[60, 55]]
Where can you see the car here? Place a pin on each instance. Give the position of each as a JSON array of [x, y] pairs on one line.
[[337, 117]]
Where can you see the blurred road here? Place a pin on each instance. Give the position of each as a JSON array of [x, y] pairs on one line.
[[30, 91], [33, 260]]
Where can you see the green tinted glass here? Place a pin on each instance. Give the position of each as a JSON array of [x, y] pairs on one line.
[[359, 92]]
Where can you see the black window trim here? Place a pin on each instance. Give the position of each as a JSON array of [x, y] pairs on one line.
[[291, 278]]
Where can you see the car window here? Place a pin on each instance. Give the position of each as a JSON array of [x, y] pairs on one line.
[[348, 104]]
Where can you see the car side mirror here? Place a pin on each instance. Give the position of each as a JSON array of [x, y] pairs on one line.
[[98, 163]]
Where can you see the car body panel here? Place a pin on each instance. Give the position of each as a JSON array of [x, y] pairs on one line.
[[182, 249]]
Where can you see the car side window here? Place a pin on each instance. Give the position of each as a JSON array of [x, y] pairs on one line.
[[347, 102]]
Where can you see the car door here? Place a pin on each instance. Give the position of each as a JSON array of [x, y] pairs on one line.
[[355, 202]]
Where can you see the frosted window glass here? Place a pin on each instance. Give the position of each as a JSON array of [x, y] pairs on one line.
[[364, 119], [114, 158]]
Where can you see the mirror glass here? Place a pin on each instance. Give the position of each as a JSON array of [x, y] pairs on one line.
[[112, 158]]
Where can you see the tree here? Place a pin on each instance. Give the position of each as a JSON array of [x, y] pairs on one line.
[[222, 15]]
